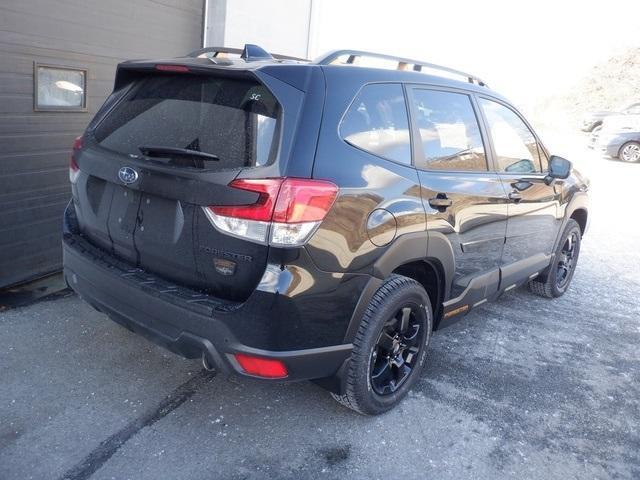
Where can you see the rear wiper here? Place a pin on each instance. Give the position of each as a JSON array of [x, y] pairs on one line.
[[160, 151]]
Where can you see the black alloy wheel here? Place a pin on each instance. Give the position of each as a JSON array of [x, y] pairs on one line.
[[567, 259], [555, 280], [397, 350], [389, 348]]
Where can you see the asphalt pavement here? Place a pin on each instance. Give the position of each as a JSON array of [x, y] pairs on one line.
[[521, 388]]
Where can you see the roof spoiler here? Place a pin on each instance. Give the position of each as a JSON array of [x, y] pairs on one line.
[[126, 72]]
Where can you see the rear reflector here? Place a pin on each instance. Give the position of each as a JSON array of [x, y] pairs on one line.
[[262, 367], [286, 213], [74, 169], [172, 68]]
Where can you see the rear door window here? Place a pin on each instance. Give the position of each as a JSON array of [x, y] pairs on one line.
[[448, 131], [236, 120], [377, 122]]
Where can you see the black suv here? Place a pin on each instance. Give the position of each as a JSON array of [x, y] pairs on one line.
[[287, 219]]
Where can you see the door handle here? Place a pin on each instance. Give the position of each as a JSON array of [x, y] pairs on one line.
[[515, 196], [440, 202]]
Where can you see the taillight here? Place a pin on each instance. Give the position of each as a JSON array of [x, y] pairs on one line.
[[172, 68], [74, 169], [261, 367], [302, 200], [262, 209], [287, 212], [302, 204]]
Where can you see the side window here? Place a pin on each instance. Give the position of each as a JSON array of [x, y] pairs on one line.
[[515, 145], [449, 131], [377, 122]]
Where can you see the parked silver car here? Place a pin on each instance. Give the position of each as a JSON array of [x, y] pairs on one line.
[[623, 143], [593, 120]]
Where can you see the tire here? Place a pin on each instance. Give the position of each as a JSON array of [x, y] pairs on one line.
[[556, 281], [365, 391], [630, 152]]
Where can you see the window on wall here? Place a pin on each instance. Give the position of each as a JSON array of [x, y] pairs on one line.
[[448, 131], [377, 122], [60, 88], [516, 148]]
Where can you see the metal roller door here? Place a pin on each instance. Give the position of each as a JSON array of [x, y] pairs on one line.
[[67, 50]]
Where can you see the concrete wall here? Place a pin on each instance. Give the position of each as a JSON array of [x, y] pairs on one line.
[[35, 146], [279, 26]]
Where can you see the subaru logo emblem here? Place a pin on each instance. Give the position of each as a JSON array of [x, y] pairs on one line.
[[127, 175]]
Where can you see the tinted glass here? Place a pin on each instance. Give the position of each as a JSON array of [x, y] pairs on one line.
[[515, 146], [377, 122], [449, 131], [235, 120]]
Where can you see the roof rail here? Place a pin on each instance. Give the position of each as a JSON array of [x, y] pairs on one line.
[[248, 53], [403, 63]]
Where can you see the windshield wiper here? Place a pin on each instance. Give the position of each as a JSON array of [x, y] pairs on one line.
[[160, 151]]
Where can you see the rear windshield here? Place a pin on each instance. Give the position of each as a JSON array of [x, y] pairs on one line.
[[236, 120]]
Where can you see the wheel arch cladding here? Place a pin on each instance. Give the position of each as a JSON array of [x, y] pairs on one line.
[[426, 257], [430, 274], [406, 248], [580, 215]]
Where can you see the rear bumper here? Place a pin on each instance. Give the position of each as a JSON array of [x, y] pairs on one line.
[[184, 321]]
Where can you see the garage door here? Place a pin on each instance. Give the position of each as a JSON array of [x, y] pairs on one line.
[[57, 63]]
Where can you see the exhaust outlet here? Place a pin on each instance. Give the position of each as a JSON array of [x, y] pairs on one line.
[[206, 364]]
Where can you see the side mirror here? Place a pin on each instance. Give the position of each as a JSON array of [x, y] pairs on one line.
[[559, 168]]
